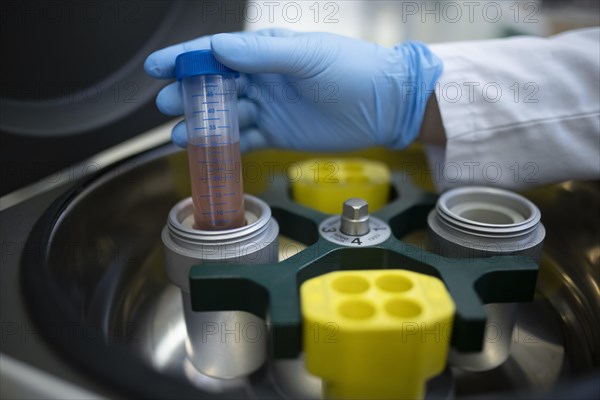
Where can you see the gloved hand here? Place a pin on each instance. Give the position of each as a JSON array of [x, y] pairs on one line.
[[313, 91]]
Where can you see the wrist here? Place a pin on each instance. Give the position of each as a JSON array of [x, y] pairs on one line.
[[432, 129], [420, 72]]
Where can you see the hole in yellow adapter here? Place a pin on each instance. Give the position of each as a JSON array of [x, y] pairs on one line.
[[356, 309], [394, 283], [403, 308], [351, 284], [325, 183]]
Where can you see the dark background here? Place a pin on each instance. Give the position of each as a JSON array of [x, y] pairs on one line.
[[72, 80]]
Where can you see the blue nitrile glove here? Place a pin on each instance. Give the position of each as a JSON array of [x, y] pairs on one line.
[[314, 91]]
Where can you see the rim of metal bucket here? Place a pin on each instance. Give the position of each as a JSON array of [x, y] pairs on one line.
[[494, 197]]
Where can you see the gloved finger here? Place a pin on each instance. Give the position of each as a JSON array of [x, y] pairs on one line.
[[275, 32], [169, 100], [161, 63], [247, 112], [299, 55], [179, 134], [252, 139], [244, 80]]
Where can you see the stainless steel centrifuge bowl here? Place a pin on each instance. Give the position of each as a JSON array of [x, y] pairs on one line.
[[94, 278]]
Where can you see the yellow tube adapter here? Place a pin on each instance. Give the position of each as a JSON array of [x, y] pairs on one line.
[[325, 183], [375, 334]]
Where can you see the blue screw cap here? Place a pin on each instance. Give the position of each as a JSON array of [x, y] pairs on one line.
[[200, 62]]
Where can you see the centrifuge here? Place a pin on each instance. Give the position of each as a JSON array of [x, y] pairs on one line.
[[135, 272]]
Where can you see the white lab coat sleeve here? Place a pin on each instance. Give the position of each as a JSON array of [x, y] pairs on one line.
[[521, 111]]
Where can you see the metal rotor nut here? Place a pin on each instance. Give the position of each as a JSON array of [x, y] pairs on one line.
[[355, 217]]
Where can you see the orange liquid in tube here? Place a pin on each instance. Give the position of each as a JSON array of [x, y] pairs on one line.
[[217, 187]]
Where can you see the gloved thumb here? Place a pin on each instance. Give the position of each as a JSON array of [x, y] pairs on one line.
[[290, 55]]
